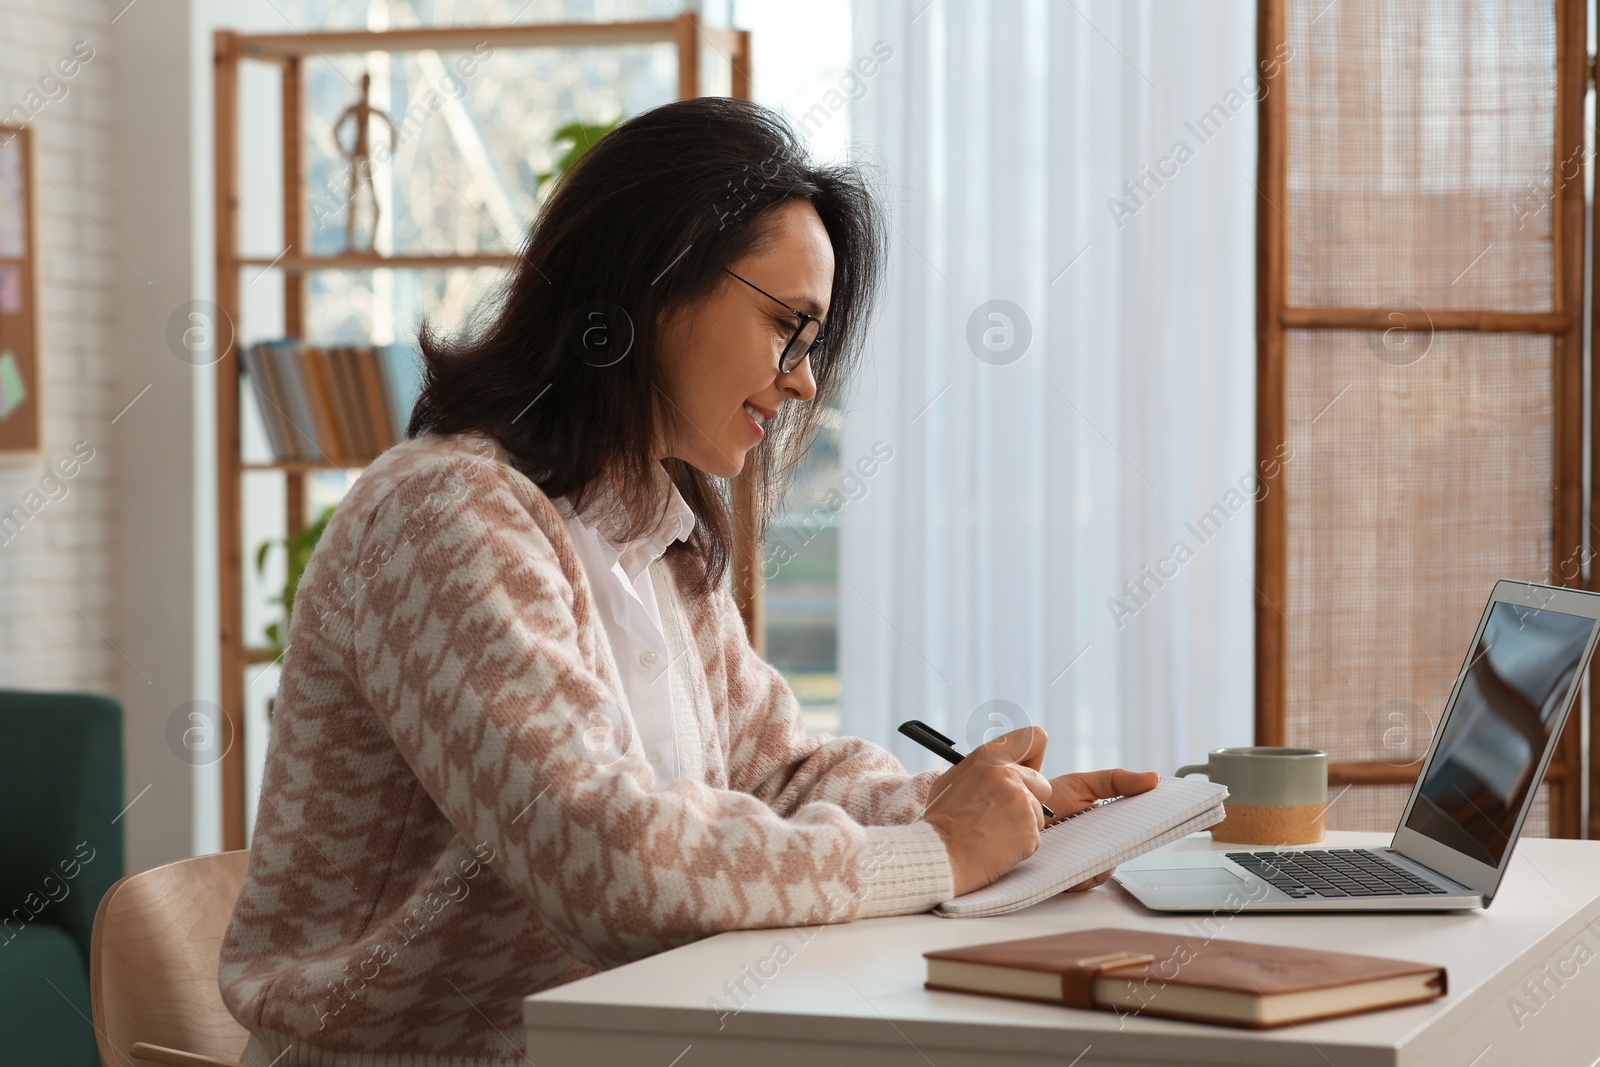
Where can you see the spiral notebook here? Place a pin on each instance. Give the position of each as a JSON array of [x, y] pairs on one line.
[[1096, 840]]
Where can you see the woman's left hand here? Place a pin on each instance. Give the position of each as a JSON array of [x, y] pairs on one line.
[[1073, 793], [1089, 883]]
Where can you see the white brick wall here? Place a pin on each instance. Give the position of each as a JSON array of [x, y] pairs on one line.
[[48, 636]]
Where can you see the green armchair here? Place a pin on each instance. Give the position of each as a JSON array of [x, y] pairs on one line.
[[60, 850]]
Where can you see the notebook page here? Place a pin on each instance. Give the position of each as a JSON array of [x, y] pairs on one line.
[[1096, 840]]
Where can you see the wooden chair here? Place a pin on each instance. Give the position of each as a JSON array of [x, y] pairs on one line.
[[153, 965]]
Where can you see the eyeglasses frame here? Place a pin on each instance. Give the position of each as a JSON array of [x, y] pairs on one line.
[[822, 327]]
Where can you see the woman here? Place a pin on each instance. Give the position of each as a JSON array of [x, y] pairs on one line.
[[521, 735]]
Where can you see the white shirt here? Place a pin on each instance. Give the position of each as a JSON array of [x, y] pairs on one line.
[[619, 577]]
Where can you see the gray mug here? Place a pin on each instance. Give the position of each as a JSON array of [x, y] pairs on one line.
[[1276, 796]]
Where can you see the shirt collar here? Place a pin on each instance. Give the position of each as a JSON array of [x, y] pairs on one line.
[[676, 524]]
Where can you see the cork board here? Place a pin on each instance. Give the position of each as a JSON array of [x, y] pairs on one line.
[[19, 362]]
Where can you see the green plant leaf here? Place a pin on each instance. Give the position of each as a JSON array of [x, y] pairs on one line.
[[298, 548], [578, 137]]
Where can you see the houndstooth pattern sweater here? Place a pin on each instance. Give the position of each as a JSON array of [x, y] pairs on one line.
[[456, 812]]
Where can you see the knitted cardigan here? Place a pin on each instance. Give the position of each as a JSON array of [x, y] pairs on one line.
[[455, 811]]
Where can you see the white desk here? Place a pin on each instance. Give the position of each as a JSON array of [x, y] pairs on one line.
[[852, 993]]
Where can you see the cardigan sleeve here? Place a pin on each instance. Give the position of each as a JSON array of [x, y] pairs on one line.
[[771, 756], [466, 644]]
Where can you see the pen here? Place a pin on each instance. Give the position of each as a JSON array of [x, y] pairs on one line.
[[942, 746]]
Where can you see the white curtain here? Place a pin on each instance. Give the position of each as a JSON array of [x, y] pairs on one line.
[[1013, 465]]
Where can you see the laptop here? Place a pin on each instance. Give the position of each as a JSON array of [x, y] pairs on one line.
[[1476, 786]]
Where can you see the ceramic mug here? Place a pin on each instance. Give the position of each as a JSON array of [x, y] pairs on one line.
[[1276, 796]]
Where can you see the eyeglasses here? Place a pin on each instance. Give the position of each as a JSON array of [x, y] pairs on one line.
[[805, 339]]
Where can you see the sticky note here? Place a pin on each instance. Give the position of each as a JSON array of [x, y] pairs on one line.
[[12, 391], [10, 291]]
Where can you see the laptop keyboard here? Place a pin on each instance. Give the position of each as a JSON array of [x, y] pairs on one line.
[[1335, 872]]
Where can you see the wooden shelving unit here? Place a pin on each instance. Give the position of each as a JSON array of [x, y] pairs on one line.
[[289, 53]]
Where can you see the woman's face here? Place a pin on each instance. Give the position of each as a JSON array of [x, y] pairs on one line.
[[722, 353]]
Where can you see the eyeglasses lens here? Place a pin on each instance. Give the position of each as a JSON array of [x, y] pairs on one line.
[[799, 345]]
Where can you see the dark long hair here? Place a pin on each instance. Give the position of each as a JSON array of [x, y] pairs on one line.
[[565, 375]]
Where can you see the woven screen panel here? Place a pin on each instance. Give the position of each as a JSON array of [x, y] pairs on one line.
[[1378, 808], [1366, 807], [1410, 490], [1420, 155]]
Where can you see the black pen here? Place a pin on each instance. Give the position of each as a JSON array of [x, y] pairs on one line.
[[942, 746]]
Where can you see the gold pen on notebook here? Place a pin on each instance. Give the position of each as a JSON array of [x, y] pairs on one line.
[[942, 746]]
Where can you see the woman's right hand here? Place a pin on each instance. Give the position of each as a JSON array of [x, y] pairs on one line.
[[987, 807]]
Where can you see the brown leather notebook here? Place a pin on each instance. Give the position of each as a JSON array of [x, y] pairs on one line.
[[1141, 972]]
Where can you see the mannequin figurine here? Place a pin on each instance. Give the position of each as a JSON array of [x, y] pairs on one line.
[[361, 113]]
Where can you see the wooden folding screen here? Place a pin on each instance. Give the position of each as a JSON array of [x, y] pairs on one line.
[[1420, 329]]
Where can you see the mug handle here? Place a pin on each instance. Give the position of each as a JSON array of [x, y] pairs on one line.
[[1194, 768]]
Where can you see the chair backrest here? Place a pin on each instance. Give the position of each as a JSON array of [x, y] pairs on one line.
[[61, 792], [153, 962]]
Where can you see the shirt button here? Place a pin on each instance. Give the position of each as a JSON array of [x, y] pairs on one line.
[[654, 757], [648, 659]]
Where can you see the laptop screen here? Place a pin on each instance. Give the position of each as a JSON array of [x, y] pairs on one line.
[[1518, 679]]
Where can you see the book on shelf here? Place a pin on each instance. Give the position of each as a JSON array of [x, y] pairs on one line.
[[339, 404], [1183, 976]]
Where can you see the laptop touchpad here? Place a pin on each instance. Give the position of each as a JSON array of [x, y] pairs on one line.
[[1163, 878]]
